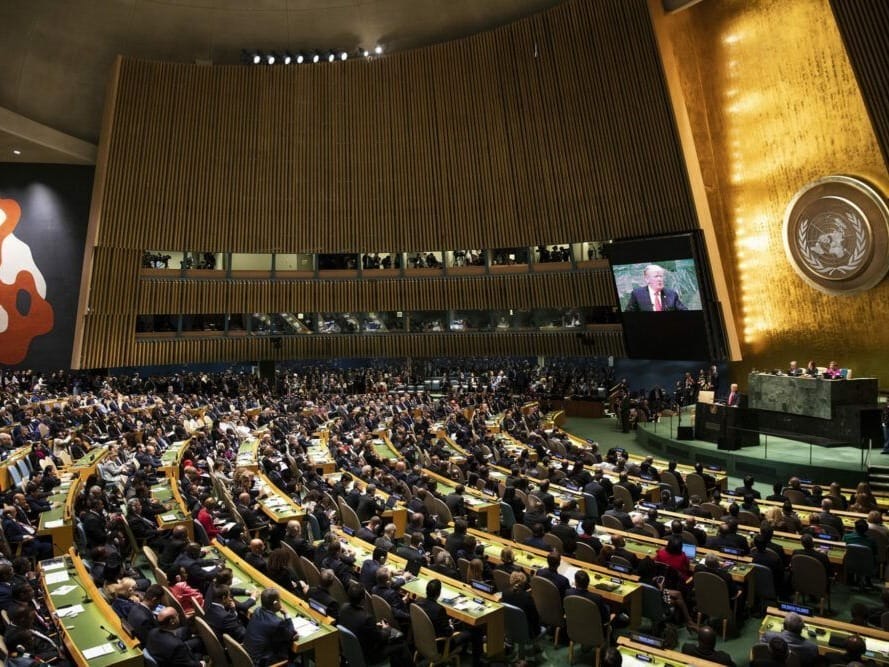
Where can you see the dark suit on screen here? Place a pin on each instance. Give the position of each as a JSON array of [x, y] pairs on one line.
[[640, 300]]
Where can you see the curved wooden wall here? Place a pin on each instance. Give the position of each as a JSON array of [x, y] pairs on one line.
[[554, 129]]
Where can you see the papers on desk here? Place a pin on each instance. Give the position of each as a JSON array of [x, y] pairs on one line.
[[49, 566], [58, 523], [303, 627], [168, 517], [96, 651], [56, 577], [64, 590], [69, 611]]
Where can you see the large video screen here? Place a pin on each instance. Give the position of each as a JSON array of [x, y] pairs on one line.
[[665, 300]]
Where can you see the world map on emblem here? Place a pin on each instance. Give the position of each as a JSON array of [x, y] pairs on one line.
[[836, 235]]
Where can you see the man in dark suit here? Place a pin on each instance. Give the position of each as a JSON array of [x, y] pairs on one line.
[[551, 572], [167, 646], [828, 518], [442, 624], [654, 297], [705, 649], [255, 556], [369, 568], [339, 562], [141, 617], [414, 554], [454, 541], [252, 519], [222, 615], [581, 588], [548, 500], [368, 504], [269, 635], [619, 513], [144, 530], [734, 397], [374, 636], [322, 594], [386, 590], [713, 565], [808, 549], [294, 538], [455, 502]]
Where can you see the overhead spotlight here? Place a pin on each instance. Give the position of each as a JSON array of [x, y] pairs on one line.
[[287, 59], [16, 151], [270, 58], [300, 58], [256, 58], [316, 57], [344, 56], [365, 53], [331, 57], [378, 49]]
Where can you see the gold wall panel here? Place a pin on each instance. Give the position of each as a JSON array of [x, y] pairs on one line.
[[774, 104]]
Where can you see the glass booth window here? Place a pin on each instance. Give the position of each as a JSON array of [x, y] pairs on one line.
[[382, 322], [427, 321], [162, 259], [545, 254], [337, 262], [157, 323], [293, 262], [425, 260], [468, 257], [509, 256], [242, 261], [201, 260]]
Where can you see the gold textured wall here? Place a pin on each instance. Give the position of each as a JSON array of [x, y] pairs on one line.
[[774, 104]]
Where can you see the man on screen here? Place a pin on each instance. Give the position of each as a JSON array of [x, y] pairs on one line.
[[654, 297]]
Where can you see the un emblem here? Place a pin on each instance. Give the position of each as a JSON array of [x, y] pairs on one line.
[[836, 235]]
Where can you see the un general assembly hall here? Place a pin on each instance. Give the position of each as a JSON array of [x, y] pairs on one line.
[[422, 332]]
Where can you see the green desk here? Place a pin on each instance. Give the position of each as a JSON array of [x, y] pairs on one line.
[[820, 630], [174, 514], [465, 604], [315, 631], [640, 655], [86, 465], [247, 454], [58, 522], [276, 504], [81, 632], [172, 457], [610, 586], [487, 509]]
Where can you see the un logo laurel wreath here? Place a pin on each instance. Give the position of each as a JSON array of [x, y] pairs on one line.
[[836, 235], [857, 256]]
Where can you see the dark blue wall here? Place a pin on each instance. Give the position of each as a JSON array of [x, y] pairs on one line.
[[55, 201]]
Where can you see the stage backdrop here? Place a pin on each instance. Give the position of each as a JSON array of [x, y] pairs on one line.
[[43, 221]]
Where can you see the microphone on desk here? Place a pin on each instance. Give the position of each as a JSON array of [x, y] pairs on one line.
[[111, 635]]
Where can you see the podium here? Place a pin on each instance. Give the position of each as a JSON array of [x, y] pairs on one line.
[[729, 427]]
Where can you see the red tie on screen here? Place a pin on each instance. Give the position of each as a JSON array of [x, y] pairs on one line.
[[657, 302]]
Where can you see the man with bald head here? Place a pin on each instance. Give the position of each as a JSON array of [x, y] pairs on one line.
[[165, 644], [705, 649], [255, 556]]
